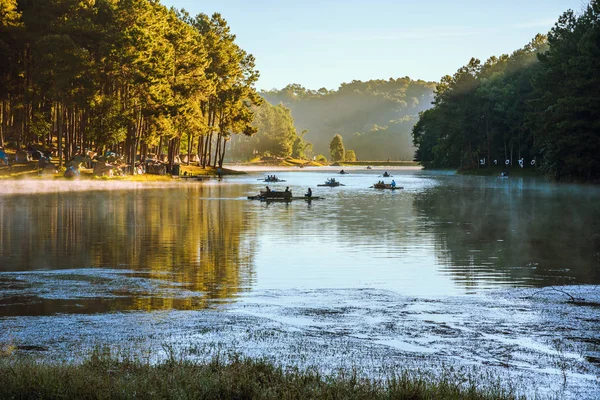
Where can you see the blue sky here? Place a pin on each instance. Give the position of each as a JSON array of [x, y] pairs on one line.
[[324, 43]]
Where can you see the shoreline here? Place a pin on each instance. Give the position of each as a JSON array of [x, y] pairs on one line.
[[440, 338], [29, 171]]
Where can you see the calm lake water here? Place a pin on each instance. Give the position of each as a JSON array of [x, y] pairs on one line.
[[188, 245], [451, 270]]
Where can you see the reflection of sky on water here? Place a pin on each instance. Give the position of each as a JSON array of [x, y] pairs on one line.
[[326, 263]]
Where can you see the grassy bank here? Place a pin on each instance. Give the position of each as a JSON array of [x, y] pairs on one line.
[[107, 377], [30, 171], [379, 163], [281, 162]]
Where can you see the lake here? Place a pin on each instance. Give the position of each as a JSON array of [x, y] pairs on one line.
[[461, 270]]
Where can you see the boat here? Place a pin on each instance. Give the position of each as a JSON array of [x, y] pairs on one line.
[[369, 167], [271, 179], [281, 196], [193, 177], [331, 183], [389, 186], [342, 172]]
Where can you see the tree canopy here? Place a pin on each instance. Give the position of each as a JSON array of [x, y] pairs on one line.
[[537, 107], [130, 76], [336, 148], [276, 136]]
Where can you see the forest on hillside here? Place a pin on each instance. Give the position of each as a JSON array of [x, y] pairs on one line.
[[374, 118], [276, 136], [130, 76], [536, 108]]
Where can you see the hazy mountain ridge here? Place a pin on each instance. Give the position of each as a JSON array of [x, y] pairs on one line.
[[375, 118]]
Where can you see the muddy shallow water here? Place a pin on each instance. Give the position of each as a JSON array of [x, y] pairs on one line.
[[451, 273]]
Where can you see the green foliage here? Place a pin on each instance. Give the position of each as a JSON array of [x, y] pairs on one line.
[[537, 105], [566, 119], [130, 74], [321, 158], [350, 156], [275, 135], [374, 117], [336, 148], [301, 148]]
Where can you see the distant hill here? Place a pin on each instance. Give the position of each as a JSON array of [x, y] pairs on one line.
[[374, 118]]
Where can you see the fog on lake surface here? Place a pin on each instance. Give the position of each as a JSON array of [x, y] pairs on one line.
[[439, 269]]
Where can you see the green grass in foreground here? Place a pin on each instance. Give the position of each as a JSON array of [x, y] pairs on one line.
[[107, 377]]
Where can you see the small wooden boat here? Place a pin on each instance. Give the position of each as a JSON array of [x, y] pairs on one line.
[[281, 196], [331, 183], [386, 186], [193, 177], [271, 179]]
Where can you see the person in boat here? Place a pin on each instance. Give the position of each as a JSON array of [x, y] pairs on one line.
[[268, 189], [393, 183], [385, 174], [308, 193], [342, 172], [287, 189]]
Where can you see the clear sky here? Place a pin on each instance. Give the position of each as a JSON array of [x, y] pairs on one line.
[[324, 43]]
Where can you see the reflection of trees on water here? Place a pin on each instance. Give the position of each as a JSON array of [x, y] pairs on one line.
[[533, 235], [188, 244]]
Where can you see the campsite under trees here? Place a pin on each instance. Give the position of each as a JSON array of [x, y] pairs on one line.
[[127, 76]]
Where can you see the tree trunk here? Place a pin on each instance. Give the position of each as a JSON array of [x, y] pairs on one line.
[[217, 150], [208, 149], [489, 144], [223, 153], [189, 149], [171, 154], [2, 123], [59, 124], [200, 149], [160, 147]]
